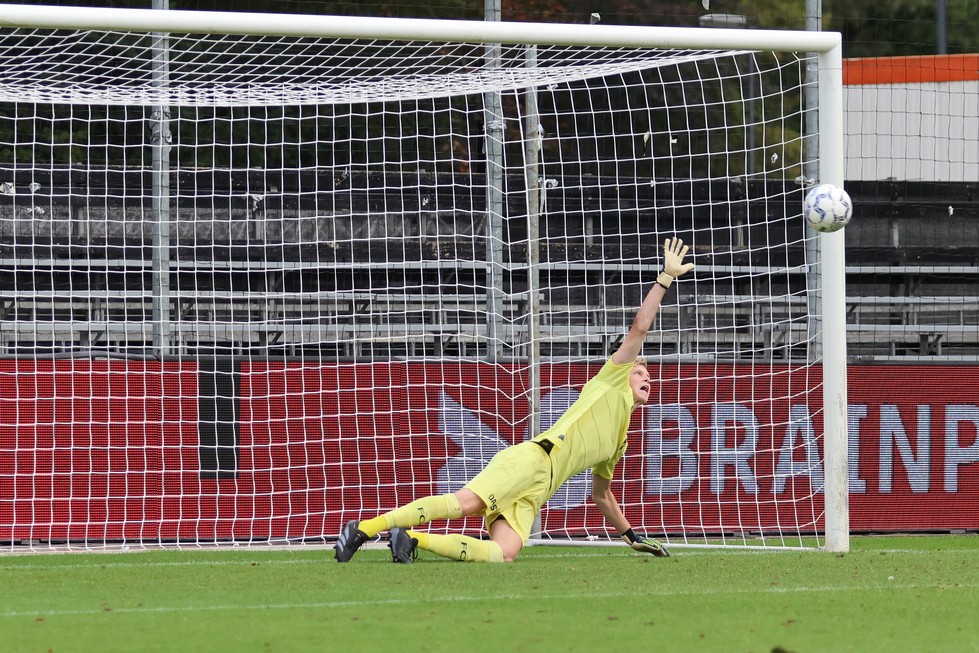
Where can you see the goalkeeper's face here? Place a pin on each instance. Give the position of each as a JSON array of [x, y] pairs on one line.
[[639, 380]]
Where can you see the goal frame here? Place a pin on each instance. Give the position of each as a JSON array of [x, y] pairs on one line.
[[826, 45]]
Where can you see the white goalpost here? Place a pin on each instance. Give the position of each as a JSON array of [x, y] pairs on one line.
[[262, 274]]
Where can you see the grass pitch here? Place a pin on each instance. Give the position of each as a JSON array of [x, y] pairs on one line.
[[888, 594]]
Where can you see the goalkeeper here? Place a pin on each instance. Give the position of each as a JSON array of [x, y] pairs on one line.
[[511, 489]]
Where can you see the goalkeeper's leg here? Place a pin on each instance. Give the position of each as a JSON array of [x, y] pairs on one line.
[[503, 546], [459, 547], [423, 511]]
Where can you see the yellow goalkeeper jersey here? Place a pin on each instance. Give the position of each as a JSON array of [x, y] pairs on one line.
[[592, 433]]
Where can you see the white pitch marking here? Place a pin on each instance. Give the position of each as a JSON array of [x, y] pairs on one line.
[[475, 599]]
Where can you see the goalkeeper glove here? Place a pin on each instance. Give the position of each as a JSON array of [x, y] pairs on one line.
[[645, 544], [673, 266]]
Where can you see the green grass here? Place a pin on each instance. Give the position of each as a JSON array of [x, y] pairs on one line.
[[888, 594]]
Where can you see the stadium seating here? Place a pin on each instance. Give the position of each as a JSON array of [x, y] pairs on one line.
[[79, 276]]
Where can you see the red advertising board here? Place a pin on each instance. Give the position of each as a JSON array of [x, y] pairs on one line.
[[111, 450], [917, 463]]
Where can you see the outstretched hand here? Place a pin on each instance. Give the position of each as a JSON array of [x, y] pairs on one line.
[[674, 252], [645, 544]]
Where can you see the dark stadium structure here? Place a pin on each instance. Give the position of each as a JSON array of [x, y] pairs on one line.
[[318, 263]]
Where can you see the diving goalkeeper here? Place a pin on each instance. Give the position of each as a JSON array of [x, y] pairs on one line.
[[513, 486]]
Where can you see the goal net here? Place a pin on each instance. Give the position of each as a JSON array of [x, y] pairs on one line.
[[254, 286]]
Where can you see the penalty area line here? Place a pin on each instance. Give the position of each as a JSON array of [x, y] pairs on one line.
[[317, 605], [25, 564]]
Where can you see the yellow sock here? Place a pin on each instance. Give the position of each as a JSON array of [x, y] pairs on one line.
[[422, 538], [459, 547], [422, 511]]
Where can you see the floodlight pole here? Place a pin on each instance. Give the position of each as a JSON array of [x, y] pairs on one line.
[[160, 139], [532, 175], [493, 127], [810, 168]]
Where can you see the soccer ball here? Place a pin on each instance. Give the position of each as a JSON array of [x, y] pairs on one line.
[[827, 208]]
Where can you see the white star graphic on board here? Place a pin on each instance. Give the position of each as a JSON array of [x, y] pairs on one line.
[[479, 443]]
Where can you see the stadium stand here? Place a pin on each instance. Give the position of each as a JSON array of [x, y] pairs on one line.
[[243, 279]]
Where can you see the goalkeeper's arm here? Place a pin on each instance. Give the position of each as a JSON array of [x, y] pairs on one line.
[[673, 266], [601, 493]]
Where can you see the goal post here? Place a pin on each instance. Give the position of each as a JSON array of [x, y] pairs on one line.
[[293, 271], [832, 270]]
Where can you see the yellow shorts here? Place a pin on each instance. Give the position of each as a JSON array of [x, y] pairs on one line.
[[514, 486]]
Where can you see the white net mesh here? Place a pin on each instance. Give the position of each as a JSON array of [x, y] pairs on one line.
[[122, 68], [255, 287]]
